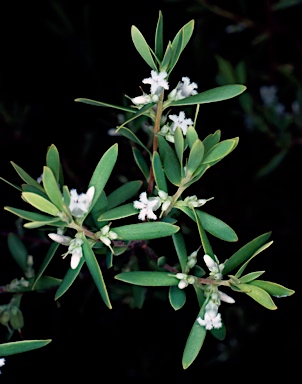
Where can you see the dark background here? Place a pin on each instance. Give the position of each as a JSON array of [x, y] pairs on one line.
[[55, 51]]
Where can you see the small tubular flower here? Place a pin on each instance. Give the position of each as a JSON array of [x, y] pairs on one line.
[[106, 236], [74, 247], [157, 82], [147, 206], [214, 267], [194, 202], [184, 89], [181, 122], [80, 203], [212, 319]]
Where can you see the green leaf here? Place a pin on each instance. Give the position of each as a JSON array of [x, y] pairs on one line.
[[191, 136], [95, 271], [119, 212], [142, 47], [102, 172], [101, 104], [51, 188], [40, 203], [203, 236], [273, 289], [51, 251], [177, 297], [244, 253], [181, 250], [25, 176], [56, 222], [53, 163], [170, 161], [68, 279], [179, 145], [195, 340], [18, 250], [141, 162], [45, 283], [211, 140], [216, 227], [145, 231], [250, 276], [219, 151], [258, 294], [223, 92], [180, 41], [195, 157], [159, 49], [148, 279], [242, 268], [123, 193], [167, 58], [159, 174], [7, 349], [131, 136]]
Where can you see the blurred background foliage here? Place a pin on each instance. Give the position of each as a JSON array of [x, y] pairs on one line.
[[56, 51]]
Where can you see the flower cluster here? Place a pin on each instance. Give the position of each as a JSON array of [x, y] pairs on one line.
[[74, 247], [80, 203], [212, 319]]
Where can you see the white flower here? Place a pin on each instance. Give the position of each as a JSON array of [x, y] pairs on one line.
[[212, 319], [214, 267], [79, 204], [181, 122], [193, 202], [2, 362], [165, 200], [106, 236], [157, 82], [142, 100], [184, 89], [74, 247], [147, 206]]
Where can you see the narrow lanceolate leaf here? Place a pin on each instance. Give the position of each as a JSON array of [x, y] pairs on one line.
[[195, 157], [51, 251], [216, 227], [159, 174], [170, 161], [18, 250], [224, 92], [25, 176], [203, 236], [273, 289], [167, 58], [244, 253], [46, 282], [148, 279], [159, 48], [195, 340], [123, 193], [180, 41], [53, 161], [145, 231], [120, 212], [177, 297], [102, 172], [101, 104], [51, 188], [211, 140], [142, 47], [7, 349], [68, 279], [131, 136], [251, 276], [141, 162], [179, 144], [258, 294], [242, 268], [40, 203], [181, 250], [37, 224], [95, 272], [219, 151]]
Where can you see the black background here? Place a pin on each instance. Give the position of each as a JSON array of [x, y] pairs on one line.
[[55, 51]]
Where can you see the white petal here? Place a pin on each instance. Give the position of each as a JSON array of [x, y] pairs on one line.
[[75, 259], [65, 240], [226, 298]]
